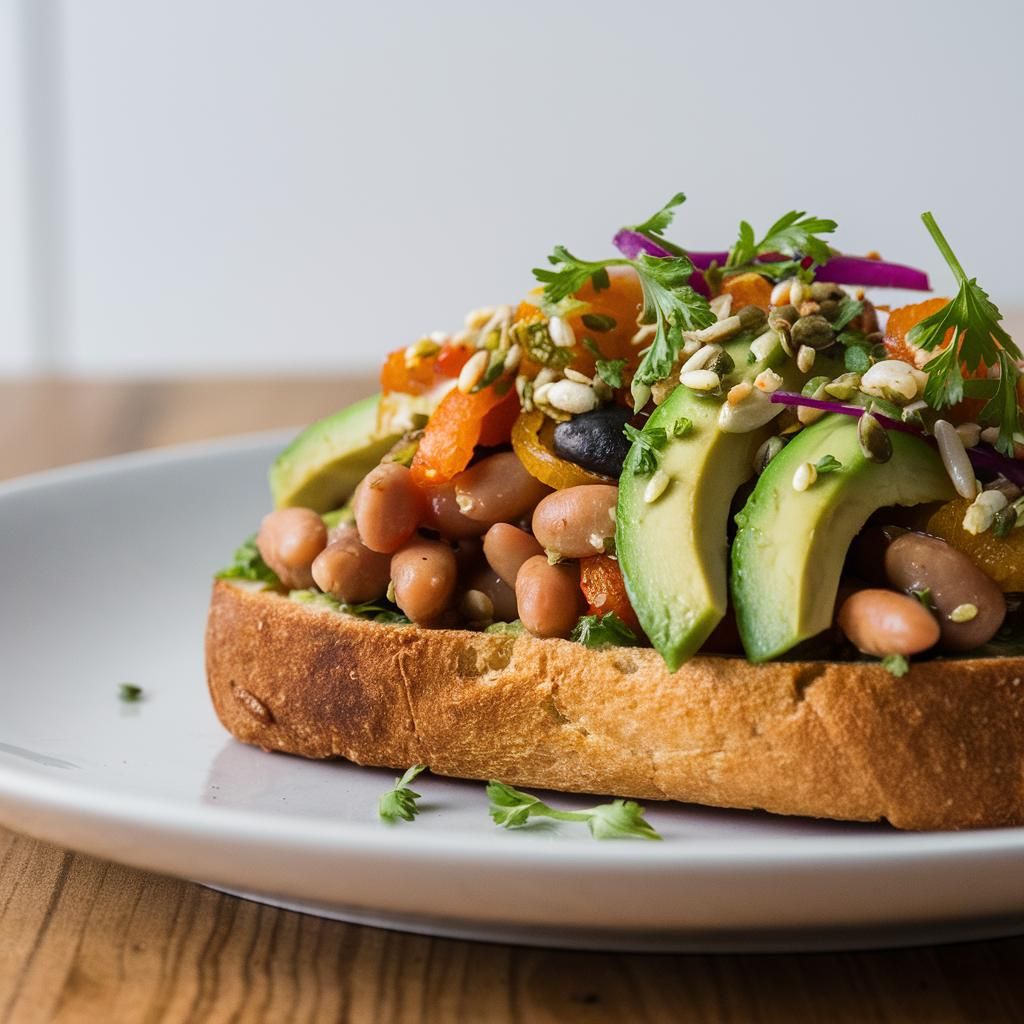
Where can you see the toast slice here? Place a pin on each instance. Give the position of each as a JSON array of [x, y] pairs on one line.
[[940, 748]]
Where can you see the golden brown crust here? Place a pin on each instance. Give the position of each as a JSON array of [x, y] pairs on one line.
[[941, 748]]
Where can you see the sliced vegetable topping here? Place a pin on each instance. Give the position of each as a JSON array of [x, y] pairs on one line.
[[456, 428]]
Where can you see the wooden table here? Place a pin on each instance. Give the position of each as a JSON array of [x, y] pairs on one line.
[[86, 941]]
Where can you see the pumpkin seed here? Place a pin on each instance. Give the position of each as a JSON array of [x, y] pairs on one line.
[[875, 443], [768, 450]]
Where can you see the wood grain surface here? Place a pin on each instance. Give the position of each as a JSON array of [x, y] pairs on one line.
[[86, 941]]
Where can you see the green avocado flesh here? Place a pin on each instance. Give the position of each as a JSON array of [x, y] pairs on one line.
[[788, 554], [322, 466], [673, 552]]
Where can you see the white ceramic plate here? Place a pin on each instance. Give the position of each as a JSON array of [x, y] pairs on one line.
[[106, 571]]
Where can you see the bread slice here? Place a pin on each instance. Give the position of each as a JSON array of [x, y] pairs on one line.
[[940, 748]]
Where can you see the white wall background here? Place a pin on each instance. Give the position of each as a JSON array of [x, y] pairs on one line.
[[253, 185]]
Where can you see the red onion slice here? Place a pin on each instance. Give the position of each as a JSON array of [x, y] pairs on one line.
[[840, 269]]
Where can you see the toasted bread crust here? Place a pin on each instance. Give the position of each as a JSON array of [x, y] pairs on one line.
[[941, 748]]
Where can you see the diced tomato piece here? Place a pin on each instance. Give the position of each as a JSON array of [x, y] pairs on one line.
[[605, 590]]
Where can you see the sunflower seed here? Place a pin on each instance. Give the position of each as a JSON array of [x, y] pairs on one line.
[[700, 380], [656, 486], [805, 475], [473, 371], [954, 458]]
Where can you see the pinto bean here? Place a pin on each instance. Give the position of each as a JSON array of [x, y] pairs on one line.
[[577, 521], [500, 594], [497, 489], [882, 622], [549, 597], [445, 516], [388, 507], [424, 574], [349, 571], [506, 547], [959, 589], [288, 541]]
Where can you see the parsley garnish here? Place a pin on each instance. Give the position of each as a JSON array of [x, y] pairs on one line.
[[849, 310], [682, 426], [857, 359], [978, 341], [400, 802], [794, 234], [669, 301], [647, 444], [896, 664], [611, 371], [512, 808], [603, 631], [248, 564], [828, 464], [129, 693], [655, 225]]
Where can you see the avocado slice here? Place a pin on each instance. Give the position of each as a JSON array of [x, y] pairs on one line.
[[673, 552], [789, 551], [322, 466]]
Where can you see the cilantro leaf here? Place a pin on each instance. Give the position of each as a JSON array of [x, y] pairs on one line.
[[794, 234], [670, 302], [603, 631], [620, 819], [978, 340], [849, 310], [248, 564], [571, 274], [647, 444], [828, 464], [655, 225], [400, 802], [611, 371]]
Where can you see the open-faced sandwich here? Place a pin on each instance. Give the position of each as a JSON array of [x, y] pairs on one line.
[[707, 527]]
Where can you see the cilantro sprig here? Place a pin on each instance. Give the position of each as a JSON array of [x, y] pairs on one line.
[[603, 631], [655, 225], [670, 302], [978, 340], [400, 802], [621, 819], [794, 234]]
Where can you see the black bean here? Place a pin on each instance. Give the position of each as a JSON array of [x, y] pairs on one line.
[[594, 440]]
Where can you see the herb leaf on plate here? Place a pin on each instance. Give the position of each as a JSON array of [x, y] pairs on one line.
[[620, 819], [400, 802]]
